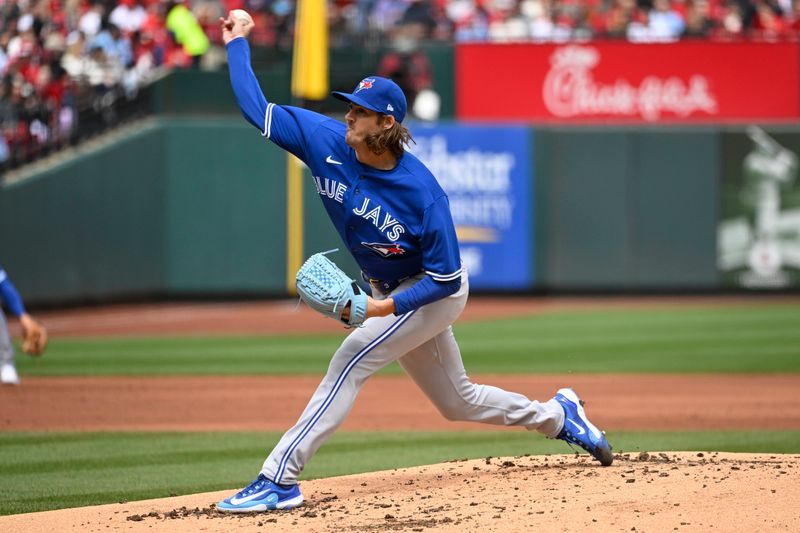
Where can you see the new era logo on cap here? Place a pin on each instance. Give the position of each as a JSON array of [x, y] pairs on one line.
[[381, 95]]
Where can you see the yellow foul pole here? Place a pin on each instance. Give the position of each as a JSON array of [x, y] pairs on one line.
[[309, 82]]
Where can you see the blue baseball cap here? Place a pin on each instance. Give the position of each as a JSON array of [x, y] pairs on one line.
[[378, 94]]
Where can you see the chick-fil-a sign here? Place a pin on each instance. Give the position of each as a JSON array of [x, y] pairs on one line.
[[610, 82]]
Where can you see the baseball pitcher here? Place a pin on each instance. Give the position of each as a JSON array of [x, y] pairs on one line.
[[395, 220]]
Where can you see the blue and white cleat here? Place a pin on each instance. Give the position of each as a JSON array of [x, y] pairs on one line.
[[578, 430], [262, 495]]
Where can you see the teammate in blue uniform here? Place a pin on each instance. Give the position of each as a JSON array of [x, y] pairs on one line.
[[395, 219], [10, 298]]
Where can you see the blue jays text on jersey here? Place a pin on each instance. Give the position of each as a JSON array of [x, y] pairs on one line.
[[396, 223], [382, 219]]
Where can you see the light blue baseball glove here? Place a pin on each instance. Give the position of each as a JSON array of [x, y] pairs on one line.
[[326, 289]]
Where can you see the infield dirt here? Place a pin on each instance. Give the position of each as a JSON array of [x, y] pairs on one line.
[[689, 491]]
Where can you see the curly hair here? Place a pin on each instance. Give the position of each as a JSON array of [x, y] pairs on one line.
[[393, 139]]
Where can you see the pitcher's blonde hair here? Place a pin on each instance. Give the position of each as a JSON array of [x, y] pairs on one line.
[[394, 139]]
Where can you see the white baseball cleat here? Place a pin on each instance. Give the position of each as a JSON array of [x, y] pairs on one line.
[[8, 374]]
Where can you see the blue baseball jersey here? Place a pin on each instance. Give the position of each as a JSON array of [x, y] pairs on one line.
[[396, 223], [9, 296]]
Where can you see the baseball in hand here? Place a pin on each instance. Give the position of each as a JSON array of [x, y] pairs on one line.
[[242, 15]]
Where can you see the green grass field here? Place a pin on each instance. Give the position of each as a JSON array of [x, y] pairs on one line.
[[43, 471], [760, 338]]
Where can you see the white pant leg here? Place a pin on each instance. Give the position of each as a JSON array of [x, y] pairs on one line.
[[365, 351], [6, 348], [438, 370]]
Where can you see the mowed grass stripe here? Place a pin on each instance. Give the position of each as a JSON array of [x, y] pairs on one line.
[[754, 339], [735, 339], [43, 471]]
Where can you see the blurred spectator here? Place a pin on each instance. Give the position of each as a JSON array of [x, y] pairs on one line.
[[187, 31], [5, 153], [418, 20], [767, 20], [361, 18], [128, 16], [617, 19], [73, 59], [407, 65], [793, 17], [638, 28], [470, 20], [115, 47], [698, 20], [8, 123], [387, 13], [732, 21], [540, 17], [511, 25], [92, 19], [665, 23]]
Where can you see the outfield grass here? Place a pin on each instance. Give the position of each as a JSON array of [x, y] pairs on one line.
[[42, 471], [741, 339]]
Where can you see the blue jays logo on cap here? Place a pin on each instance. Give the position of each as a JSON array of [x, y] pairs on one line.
[[381, 95], [366, 83]]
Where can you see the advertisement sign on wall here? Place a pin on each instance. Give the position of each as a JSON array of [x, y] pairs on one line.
[[619, 82], [486, 171], [759, 233]]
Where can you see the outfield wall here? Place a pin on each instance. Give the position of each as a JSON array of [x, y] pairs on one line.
[[196, 207]]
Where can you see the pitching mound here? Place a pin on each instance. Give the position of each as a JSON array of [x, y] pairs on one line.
[[689, 491]]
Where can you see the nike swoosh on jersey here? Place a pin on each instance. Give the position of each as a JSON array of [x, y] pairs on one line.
[[581, 431], [237, 501], [332, 161]]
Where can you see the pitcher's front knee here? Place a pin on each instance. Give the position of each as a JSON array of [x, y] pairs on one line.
[[450, 414], [460, 409]]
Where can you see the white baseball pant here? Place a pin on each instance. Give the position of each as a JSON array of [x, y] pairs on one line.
[[423, 343], [6, 348]]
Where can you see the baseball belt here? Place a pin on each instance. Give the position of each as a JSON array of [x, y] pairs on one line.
[[382, 285]]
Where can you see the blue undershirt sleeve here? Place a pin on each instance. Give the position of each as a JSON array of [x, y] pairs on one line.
[[427, 290], [249, 95], [10, 295], [291, 128]]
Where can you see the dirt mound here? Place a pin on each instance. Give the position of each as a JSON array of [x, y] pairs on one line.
[[689, 491]]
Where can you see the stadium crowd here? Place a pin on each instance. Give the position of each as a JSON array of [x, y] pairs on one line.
[[570, 20], [60, 56]]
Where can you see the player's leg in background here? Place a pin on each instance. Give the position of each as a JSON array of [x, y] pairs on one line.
[[365, 351], [8, 373], [436, 367]]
